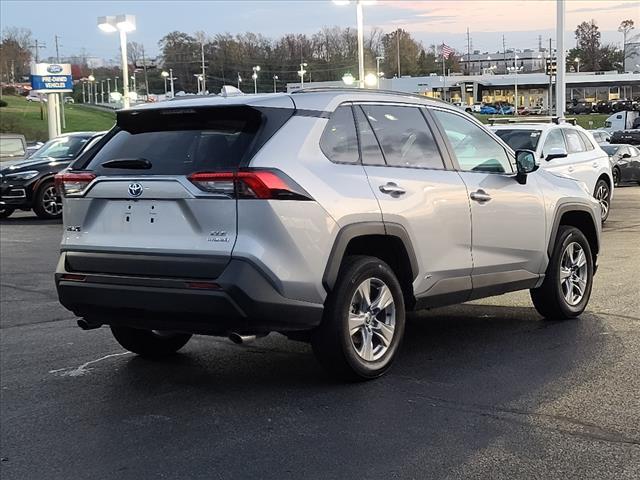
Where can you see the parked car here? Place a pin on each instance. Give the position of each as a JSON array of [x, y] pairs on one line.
[[602, 106], [625, 163], [621, 105], [581, 107], [488, 110], [566, 149], [13, 147], [631, 136], [600, 136], [69, 100], [244, 215], [36, 97], [29, 184]]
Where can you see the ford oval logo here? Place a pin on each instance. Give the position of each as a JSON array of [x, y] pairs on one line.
[[135, 189], [54, 69]]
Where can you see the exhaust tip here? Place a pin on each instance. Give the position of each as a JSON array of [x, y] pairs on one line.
[[84, 325], [241, 339]]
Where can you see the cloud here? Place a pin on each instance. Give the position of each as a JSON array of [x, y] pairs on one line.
[[606, 8]]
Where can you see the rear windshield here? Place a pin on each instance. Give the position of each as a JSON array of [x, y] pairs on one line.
[[11, 147], [520, 139], [183, 141], [610, 149]]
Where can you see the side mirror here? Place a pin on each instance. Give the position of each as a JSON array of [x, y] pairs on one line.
[[626, 155], [556, 152], [525, 164]]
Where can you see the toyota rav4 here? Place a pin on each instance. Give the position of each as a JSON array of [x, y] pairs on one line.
[[325, 215]]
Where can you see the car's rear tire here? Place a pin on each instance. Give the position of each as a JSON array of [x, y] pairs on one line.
[[616, 176], [48, 204], [150, 343], [602, 193], [568, 281], [6, 212], [363, 321]]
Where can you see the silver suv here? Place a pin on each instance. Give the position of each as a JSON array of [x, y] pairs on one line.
[[324, 215]]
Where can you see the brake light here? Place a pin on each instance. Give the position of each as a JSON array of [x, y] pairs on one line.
[[73, 184], [250, 184]]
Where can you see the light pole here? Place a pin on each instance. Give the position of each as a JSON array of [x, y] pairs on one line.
[[115, 87], [577, 60], [256, 69], [378, 72], [171, 78], [515, 69], [164, 75], [239, 80], [92, 79], [84, 95], [275, 79], [133, 79], [561, 62], [360, 23], [301, 73], [101, 91], [108, 90], [123, 24]]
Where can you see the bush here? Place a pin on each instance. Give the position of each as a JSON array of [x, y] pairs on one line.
[[9, 90], [3, 103]]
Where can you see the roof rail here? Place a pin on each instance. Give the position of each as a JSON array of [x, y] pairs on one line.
[[367, 90], [530, 119]]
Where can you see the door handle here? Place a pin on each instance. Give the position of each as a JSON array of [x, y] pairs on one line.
[[392, 189], [480, 196], [594, 164], [570, 168]]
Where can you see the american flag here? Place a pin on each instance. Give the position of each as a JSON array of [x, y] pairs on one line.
[[446, 51]]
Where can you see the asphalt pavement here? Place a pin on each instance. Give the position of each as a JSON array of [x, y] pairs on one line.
[[482, 390]]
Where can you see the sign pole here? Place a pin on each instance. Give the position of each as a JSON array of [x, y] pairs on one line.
[[52, 122]]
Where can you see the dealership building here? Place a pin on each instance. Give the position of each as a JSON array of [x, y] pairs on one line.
[[533, 88]]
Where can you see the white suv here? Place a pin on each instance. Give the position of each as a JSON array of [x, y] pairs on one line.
[[564, 148]]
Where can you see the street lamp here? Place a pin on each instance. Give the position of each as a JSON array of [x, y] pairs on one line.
[[371, 79], [133, 79], [92, 79], [164, 75], [275, 79], [348, 79], [255, 69], [360, 22], [239, 80], [577, 60], [301, 73], [378, 72], [515, 69], [101, 91], [123, 24], [108, 90]]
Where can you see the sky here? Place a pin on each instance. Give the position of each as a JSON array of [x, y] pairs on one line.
[[430, 21]]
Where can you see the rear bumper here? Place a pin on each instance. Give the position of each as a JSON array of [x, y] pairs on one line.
[[243, 301]]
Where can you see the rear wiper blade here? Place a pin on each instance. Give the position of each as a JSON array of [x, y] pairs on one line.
[[130, 163]]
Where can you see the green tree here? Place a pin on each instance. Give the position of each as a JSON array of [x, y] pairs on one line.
[[588, 44], [409, 52]]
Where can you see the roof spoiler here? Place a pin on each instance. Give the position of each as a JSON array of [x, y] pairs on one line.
[[529, 119]]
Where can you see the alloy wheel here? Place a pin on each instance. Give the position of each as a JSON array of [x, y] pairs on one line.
[[573, 273], [51, 201], [372, 319], [602, 195]]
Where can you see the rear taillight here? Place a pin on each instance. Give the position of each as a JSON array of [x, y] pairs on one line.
[[73, 184], [250, 183]]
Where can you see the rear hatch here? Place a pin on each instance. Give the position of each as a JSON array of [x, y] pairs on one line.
[[143, 203]]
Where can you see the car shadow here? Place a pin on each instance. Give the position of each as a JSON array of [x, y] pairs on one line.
[[29, 220]]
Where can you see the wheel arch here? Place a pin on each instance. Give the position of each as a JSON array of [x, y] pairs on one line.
[[581, 217], [388, 241]]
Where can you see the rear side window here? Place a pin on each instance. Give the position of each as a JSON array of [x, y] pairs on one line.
[[181, 141], [404, 136], [574, 142], [586, 140], [339, 141]]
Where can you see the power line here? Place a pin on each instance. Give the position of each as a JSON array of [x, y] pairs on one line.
[[38, 45]]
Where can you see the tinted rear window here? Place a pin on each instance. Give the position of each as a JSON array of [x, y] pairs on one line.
[[520, 139], [183, 141]]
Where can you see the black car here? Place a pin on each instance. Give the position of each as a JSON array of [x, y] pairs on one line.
[[631, 137], [625, 162], [602, 106], [28, 184]]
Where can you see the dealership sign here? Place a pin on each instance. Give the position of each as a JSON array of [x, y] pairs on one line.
[[51, 77]]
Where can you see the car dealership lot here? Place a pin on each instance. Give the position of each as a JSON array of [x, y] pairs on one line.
[[481, 390]]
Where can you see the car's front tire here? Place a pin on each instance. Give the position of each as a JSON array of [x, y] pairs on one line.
[[150, 343], [568, 281], [48, 204], [363, 321], [6, 212]]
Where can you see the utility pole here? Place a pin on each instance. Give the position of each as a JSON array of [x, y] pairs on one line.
[[550, 78], [204, 75], [398, 48], [468, 52], [504, 53], [62, 115], [144, 67], [539, 43], [38, 45]]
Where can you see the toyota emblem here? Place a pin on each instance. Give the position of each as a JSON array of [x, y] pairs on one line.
[[135, 189]]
